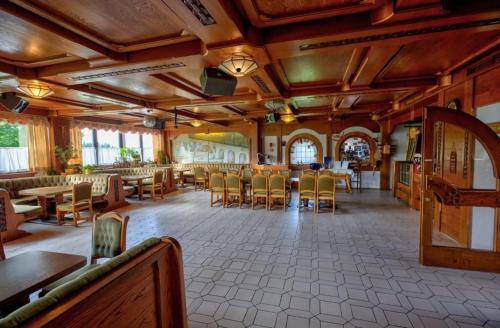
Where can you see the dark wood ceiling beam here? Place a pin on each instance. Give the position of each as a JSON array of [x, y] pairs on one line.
[[379, 87], [181, 86], [235, 110], [28, 16], [90, 89], [185, 113]]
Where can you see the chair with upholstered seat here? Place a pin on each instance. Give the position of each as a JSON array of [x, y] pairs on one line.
[[266, 173], [212, 170], [288, 181], [109, 235], [259, 189], [81, 200], [277, 190], [217, 187], [325, 190], [307, 189], [308, 171], [155, 186], [233, 189], [199, 178]]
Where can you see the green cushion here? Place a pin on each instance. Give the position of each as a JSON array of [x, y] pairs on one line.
[[60, 292], [94, 273], [117, 260], [24, 200], [28, 210], [23, 314], [106, 238], [66, 278], [139, 248], [128, 188]]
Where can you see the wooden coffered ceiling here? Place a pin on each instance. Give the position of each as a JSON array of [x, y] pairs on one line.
[[122, 59]]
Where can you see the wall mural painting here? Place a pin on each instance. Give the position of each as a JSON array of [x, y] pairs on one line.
[[227, 147]]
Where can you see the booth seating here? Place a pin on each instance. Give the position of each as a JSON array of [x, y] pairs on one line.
[[168, 177], [223, 167], [13, 215], [143, 287], [107, 194]]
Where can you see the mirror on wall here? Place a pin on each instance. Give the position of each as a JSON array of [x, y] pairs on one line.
[[222, 147]]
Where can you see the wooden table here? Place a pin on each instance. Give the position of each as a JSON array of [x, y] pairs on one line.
[[181, 175], [44, 192], [139, 179], [28, 272]]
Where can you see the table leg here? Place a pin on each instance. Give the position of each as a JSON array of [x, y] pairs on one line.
[[139, 189], [42, 202], [181, 178]]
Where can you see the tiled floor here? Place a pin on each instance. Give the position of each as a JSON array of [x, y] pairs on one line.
[[358, 268]]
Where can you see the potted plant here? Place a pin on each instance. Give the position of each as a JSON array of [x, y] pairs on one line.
[[163, 158], [88, 169], [63, 155]]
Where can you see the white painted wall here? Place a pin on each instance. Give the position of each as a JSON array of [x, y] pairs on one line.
[[483, 218], [271, 152], [399, 138]]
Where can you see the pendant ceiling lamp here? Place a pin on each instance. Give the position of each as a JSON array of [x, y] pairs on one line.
[[35, 90], [196, 123], [239, 65]]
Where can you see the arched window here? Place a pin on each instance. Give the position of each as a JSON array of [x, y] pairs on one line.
[[355, 149], [303, 151]]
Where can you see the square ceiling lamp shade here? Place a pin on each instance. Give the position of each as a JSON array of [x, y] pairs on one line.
[[196, 123], [35, 90], [239, 65]]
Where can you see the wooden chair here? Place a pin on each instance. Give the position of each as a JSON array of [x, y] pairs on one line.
[[233, 189], [81, 200], [266, 173], [109, 236], [325, 190], [325, 172], [307, 188], [288, 181], [200, 178], [217, 187], [309, 171], [259, 189], [211, 171], [156, 184], [277, 190]]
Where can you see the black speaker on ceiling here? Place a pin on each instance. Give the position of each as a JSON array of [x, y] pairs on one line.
[[216, 82], [13, 103], [272, 118], [159, 125]]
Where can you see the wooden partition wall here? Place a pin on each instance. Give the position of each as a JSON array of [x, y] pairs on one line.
[[440, 192]]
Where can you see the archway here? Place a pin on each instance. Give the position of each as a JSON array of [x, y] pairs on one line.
[[357, 134], [304, 136]]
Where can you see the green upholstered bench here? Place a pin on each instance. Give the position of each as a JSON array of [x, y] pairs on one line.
[[52, 305]]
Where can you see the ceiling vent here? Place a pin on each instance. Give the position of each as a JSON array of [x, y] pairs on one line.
[[200, 12], [128, 71], [260, 83]]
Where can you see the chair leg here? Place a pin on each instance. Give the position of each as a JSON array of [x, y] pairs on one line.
[[60, 217], [76, 216], [211, 198], [93, 260], [253, 198], [161, 193]]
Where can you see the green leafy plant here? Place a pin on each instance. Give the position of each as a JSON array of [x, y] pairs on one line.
[[51, 171], [163, 158], [88, 169], [129, 155], [63, 155]]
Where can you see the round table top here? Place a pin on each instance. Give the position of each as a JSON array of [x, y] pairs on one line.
[[45, 191]]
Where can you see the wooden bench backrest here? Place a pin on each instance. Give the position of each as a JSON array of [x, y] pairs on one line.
[[146, 291]]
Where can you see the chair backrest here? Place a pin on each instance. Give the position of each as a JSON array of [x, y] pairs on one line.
[[308, 172], [325, 172], [82, 192], [233, 182], [199, 172], [326, 185], [158, 177], [276, 183], [213, 170], [266, 173], [109, 235], [217, 181], [247, 173], [286, 173], [307, 183], [259, 183]]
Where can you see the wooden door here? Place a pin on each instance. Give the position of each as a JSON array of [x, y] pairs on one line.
[[447, 199]]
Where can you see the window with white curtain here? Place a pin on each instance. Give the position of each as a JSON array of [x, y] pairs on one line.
[[147, 148], [13, 147], [108, 145], [133, 141], [89, 154]]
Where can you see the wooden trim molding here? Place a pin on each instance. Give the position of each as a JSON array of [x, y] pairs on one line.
[[316, 141], [357, 134]]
